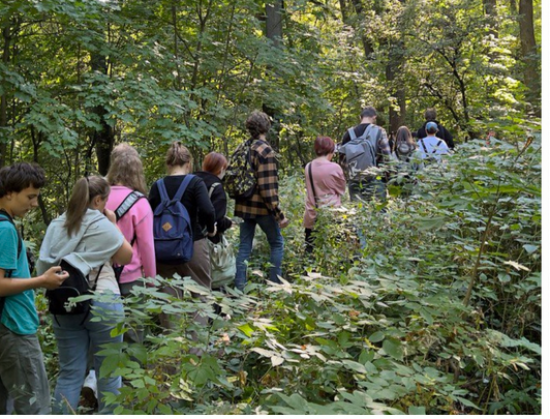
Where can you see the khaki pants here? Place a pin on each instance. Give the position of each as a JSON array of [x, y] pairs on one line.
[[22, 374], [198, 268]]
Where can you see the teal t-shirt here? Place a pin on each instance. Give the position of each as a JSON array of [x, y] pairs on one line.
[[19, 313]]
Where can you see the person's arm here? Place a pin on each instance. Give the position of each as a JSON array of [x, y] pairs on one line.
[[154, 197], [207, 214], [448, 138], [219, 201], [51, 279], [146, 242], [340, 181], [268, 183], [124, 253]]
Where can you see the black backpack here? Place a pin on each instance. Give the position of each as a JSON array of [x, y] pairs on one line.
[[122, 209], [239, 180], [75, 285]]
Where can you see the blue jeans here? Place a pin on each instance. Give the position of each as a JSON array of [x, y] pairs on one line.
[[74, 340], [270, 227]]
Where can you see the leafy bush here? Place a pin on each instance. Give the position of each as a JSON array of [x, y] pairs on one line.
[[438, 314]]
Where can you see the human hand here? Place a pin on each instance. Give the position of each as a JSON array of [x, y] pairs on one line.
[[284, 222], [214, 232], [54, 277]]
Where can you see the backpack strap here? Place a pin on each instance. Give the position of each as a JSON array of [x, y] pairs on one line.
[[182, 188], [162, 190], [436, 146], [351, 133], [128, 203], [312, 185], [120, 212], [212, 187], [423, 145]]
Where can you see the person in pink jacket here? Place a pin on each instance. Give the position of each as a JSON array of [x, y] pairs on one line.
[[325, 184], [136, 224]]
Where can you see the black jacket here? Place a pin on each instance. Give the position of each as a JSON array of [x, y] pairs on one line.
[[195, 200], [442, 133], [219, 201]]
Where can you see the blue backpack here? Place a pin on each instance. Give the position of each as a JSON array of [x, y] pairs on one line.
[[172, 227]]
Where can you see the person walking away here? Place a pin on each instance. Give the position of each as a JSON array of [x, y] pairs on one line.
[[87, 238], [325, 185], [364, 148], [431, 116], [262, 206], [431, 148], [128, 200], [407, 158], [23, 378], [213, 170], [203, 222]]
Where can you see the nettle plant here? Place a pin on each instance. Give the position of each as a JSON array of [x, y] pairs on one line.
[[438, 314]]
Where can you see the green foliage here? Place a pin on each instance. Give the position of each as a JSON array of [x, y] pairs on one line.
[[390, 330]]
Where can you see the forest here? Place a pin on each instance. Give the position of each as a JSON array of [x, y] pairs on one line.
[[439, 314]]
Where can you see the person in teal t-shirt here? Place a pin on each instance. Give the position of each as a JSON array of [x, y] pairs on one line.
[[22, 373]]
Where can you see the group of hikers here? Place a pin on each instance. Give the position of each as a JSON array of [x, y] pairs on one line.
[[115, 235]]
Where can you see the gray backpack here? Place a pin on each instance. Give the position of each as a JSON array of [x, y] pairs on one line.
[[361, 151]]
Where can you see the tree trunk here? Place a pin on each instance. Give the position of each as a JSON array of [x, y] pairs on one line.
[[103, 139], [395, 61], [367, 43], [274, 31], [274, 22], [530, 56], [6, 34]]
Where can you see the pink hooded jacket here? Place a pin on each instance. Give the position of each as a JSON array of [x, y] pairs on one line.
[[137, 221]]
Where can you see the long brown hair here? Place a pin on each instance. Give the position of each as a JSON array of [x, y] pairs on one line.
[[404, 136], [126, 168], [178, 155], [84, 191]]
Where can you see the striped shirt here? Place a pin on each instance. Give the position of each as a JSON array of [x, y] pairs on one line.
[[265, 200]]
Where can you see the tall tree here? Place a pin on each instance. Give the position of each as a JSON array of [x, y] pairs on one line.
[[530, 55]]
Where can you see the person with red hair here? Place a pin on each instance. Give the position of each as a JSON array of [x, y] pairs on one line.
[[325, 184], [213, 169]]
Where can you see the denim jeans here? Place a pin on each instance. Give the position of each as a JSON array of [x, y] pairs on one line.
[[75, 338], [270, 227]]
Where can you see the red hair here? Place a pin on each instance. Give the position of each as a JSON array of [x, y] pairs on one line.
[[323, 146], [214, 163]]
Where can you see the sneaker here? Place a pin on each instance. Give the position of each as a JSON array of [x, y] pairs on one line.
[[91, 383]]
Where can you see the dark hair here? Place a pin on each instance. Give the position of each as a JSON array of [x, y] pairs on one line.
[[257, 123], [431, 127], [430, 114], [178, 155], [84, 191], [323, 146], [214, 163], [368, 112], [20, 176]]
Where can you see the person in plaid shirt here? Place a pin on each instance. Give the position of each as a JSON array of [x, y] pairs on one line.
[[262, 208]]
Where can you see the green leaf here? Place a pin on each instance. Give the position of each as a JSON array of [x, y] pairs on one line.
[[417, 410], [377, 337], [393, 348]]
